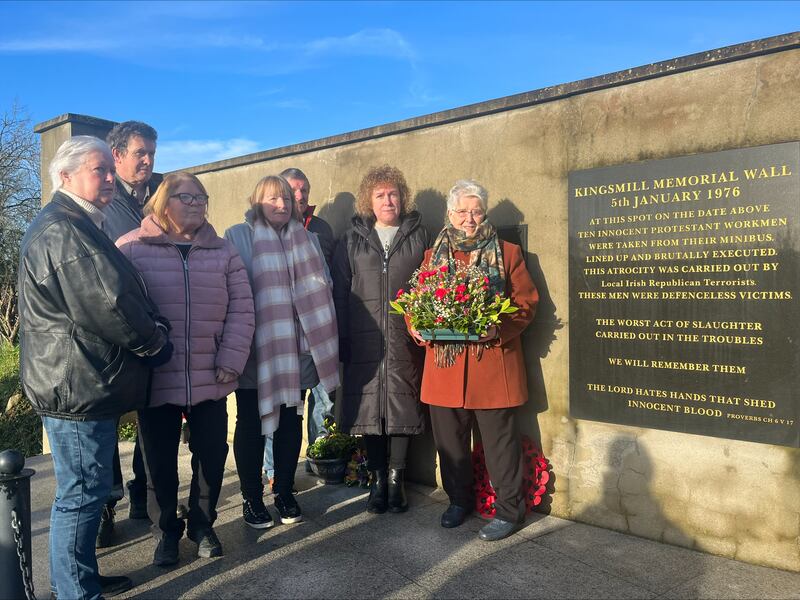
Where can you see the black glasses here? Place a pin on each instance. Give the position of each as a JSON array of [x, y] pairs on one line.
[[189, 199]]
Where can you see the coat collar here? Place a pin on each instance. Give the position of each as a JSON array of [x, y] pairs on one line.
[[152, 233], [364, 227]]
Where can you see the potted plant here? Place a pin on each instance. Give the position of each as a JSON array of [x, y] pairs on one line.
[[329, 455]]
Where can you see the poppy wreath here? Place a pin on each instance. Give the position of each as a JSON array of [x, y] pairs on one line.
[[535, 475]]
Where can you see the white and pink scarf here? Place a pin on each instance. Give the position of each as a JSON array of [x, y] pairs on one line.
[[294, 312]]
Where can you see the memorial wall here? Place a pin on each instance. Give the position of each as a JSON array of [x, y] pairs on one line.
[[661, 209], [684, 294]]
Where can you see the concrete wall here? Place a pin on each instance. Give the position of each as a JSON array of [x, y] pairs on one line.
[[731, 498]]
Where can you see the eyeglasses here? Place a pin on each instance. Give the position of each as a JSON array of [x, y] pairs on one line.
[[189, 199], [475, 214]]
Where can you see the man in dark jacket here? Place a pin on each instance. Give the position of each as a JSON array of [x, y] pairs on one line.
[[302, 188], [133, 146], [320, 404], [88, 338]]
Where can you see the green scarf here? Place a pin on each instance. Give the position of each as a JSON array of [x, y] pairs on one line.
[[483, 246], [484, 252]]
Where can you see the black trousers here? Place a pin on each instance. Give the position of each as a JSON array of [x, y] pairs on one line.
[[138, 485], [452, 429], [377, 455], [160, 434], [286, 442], [248, 444]]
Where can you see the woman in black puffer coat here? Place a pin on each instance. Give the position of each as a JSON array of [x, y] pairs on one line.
[[382, 364]]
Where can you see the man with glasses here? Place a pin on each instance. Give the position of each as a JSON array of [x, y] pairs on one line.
[[133, 146]]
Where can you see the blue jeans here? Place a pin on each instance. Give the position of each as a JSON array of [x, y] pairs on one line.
[[319, 405], [269, 461], [83, 453]]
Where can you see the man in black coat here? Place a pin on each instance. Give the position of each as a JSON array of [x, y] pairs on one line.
[[133, 146], [89, 336]]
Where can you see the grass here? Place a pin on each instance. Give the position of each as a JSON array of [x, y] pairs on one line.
[[20, 427], [9, 372]]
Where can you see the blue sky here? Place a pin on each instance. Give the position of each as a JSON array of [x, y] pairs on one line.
[[225, 79]]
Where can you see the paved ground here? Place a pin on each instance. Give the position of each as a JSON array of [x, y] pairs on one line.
[[340, 551]]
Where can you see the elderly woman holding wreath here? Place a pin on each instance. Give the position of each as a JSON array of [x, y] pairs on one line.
[[485, 383]]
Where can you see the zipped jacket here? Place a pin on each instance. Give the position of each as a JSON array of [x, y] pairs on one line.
[[124, 214], [208, 301], [382, 364], [85, 319]]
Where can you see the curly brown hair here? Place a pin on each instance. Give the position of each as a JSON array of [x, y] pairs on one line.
[[385, 174]]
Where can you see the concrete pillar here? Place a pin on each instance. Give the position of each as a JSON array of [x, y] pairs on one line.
[[56, 131]]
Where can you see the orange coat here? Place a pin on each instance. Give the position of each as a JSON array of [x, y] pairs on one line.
[[498, 379]]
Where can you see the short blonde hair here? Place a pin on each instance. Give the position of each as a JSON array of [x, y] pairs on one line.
[[385, 174], [277, 186], [157, 205]]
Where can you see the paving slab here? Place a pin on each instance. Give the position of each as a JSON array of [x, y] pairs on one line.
[[727, 579], [651, 565], [341, 551]]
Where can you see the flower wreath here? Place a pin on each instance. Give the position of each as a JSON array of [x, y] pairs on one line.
[[535, 475]]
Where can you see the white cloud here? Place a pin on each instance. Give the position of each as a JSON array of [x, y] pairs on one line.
[[179, 154], [370, 42], [367, 42], [57, 44]]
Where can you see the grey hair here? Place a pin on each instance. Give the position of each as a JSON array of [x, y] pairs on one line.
[[292, 173], [119, 136], [72, 154], [467, 187]]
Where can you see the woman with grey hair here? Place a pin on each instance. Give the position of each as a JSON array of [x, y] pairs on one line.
[[485, 383]]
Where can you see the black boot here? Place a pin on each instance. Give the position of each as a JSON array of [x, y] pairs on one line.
[[105, 533], [397, 491], [378, 492]]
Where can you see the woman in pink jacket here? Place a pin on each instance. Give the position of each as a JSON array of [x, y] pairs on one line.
[[200, 284]]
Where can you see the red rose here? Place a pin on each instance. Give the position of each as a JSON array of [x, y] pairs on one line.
[[441, 293]]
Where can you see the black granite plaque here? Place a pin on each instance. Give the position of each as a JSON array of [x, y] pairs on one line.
[[684, 294]]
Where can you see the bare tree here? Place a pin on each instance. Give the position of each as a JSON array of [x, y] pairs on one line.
[[20, 198]]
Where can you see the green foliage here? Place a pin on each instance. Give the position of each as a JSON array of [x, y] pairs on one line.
[[127, 431], [334, 445], [9, 372], [459, 299], [20, 426]]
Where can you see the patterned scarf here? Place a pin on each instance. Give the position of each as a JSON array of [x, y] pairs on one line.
[[290, 290], [486, 253]]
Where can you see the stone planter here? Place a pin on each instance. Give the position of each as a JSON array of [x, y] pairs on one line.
[[329, 471]]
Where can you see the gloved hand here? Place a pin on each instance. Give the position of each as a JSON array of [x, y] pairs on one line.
[[161, 357]]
